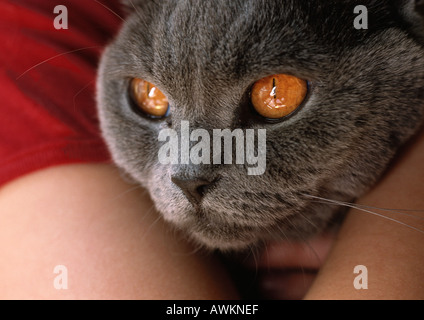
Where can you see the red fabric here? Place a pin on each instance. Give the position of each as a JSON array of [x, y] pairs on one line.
[[47, 110]]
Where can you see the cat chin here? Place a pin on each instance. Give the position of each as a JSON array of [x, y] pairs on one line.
[[216, 244], [218, 241], [245, 242], [240, 241], [212, 236], [234, 237]]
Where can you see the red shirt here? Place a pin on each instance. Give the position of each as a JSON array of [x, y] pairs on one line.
[[47, 108]]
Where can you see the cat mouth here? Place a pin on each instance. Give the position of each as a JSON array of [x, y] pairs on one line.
[[218, 223], [220, 232]]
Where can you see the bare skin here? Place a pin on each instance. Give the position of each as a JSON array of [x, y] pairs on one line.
[[106, 234], [114, 247], [392, 252]]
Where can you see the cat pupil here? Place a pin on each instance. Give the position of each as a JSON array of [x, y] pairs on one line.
[[274, 89]]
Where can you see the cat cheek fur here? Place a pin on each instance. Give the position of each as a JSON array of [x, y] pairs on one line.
[[367, 100]]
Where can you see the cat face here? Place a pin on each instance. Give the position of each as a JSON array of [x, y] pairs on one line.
[[364, 99]]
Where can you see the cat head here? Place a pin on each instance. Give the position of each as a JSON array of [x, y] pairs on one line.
[[359, 98]]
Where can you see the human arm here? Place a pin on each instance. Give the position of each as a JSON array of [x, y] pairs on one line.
[[388, 243], [105, 232], [393, 252]]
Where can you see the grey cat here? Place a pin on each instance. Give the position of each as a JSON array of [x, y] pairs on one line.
[[365, 100]]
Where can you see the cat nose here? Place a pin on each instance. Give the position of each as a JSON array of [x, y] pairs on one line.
[[193, 188]]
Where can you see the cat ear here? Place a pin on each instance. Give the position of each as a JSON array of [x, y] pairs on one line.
[[413, 13]]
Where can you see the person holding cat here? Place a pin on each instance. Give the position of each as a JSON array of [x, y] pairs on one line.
[[62, 202]]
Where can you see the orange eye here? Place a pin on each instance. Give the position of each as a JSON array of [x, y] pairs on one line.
[[149, 98], [277, 96]]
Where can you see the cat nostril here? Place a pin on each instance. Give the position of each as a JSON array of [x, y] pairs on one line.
[[201, 190], [194, 189]]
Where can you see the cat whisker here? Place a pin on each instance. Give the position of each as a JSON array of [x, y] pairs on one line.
[[255, 252], [357, 206], [79, 92], [308, 220], [55, 57], [129, 190], [136, 9], [176, 234], [306, 241], [71, 51], [281, 232], [110, 10], [364, 209], [123, 194], [399, 211], [146, 233], [196, 248]]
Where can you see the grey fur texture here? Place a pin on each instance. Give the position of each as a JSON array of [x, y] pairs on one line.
[[366, 100]]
